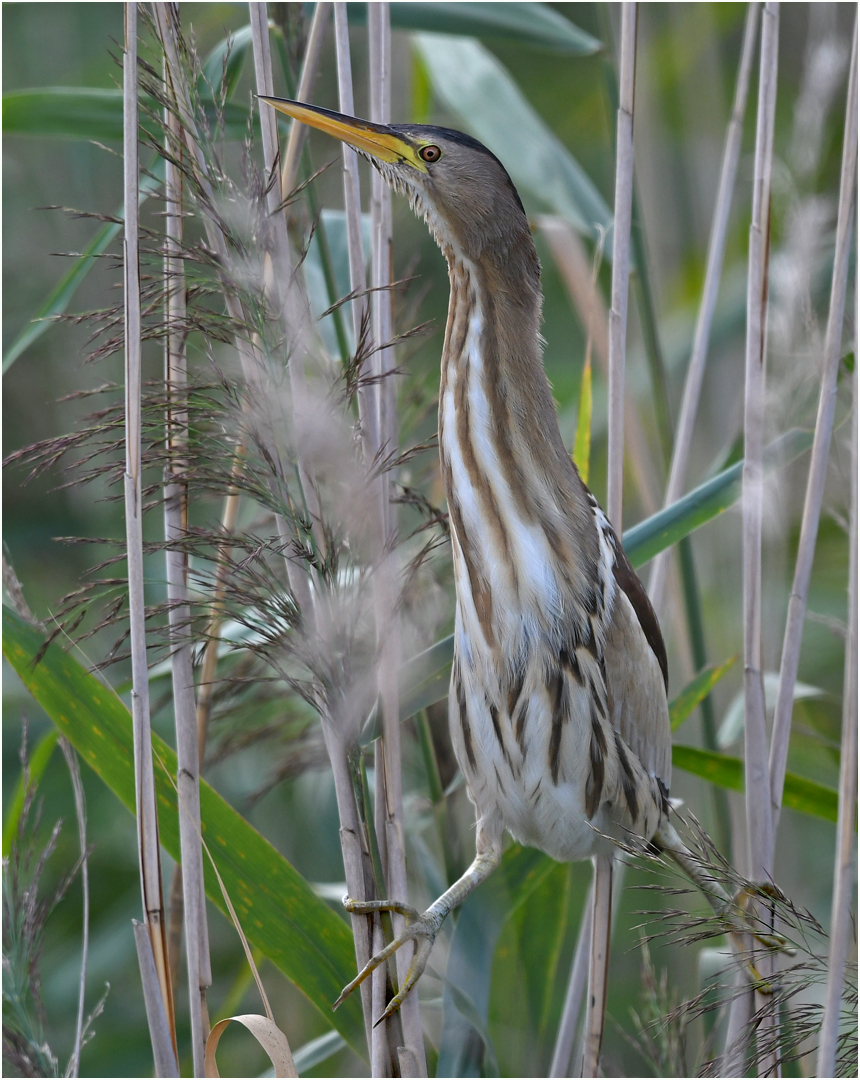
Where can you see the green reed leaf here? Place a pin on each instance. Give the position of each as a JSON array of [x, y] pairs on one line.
[[80, 112], [534, 25], [61, 295], [801, 794], [695, 692], [37, 763], [471, 83], [280, 913], [705, 502], [582, 443]]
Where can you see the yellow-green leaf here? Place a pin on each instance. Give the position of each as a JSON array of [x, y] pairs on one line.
[[801, 794], [279, 912], [695, 692], [582, 445]]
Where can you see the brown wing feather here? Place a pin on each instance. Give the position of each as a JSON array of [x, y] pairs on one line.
[[637, 672], [628, 580]]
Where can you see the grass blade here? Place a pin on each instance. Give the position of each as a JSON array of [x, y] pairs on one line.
[[60, 297], [38, 762], [582, 445]]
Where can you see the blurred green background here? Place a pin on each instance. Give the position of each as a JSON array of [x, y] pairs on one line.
[[687, 61]]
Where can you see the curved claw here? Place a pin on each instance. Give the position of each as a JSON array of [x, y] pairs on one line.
[[416, 970], [742, 901], [773, 942], [420, 928]]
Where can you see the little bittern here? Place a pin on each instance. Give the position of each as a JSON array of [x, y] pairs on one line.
[[557, 704]]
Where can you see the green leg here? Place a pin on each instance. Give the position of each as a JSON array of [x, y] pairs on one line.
[[422, 929], [735, 911]]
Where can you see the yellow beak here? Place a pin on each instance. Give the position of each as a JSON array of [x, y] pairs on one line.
[[375, 139]]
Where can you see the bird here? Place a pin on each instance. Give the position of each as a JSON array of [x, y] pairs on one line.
[[558, 707]]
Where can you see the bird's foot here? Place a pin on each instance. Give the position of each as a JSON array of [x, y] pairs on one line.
[[421, 929], [742, 916]]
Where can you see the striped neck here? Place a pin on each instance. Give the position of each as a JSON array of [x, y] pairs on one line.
[[525, 542]]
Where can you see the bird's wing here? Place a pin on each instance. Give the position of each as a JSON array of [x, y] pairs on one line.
[[637, 672]]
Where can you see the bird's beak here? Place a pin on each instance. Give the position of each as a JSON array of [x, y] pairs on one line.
[[375, 139]]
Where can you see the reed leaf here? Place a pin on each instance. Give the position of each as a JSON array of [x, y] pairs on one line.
[[280, 913], [476, 89], [77, 112], [534, 25], [806, 796]]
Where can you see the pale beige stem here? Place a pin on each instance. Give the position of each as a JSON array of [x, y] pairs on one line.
[[598, 969], [310, 70], [145, 803]]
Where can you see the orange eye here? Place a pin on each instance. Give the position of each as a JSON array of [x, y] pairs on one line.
[[430, 153]]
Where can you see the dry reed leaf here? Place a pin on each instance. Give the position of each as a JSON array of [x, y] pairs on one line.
[[267, 1034]]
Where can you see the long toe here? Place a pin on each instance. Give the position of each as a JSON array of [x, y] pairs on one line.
[[416, 970], [421, 929], [370, 907]]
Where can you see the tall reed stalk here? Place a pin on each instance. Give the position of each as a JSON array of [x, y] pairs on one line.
[[758, 812], [818, 463], [389, 777], [842, 923], [179, 613], [713, 272], [147, 817], [601, 920]]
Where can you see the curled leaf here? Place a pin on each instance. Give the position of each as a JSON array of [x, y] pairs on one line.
[[267, 1034]]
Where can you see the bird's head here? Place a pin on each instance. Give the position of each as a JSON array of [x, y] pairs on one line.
[[451, 180]]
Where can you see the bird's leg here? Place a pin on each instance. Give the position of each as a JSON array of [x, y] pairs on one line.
[[734, 910], [422, 929]]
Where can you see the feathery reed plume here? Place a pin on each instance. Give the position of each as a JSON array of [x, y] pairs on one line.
[[797, 982], [290, 597], [25, 914]]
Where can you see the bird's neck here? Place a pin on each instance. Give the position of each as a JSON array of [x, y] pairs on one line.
[[518, 509]]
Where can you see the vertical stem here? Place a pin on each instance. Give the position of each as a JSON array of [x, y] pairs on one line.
[[734, 1058], [70, 754], [389, 780], [757, 800], [621, 264], [759, 821], [355, 246], [576, 985], [716, 254], [310, 69], [145, 805], [844, 888], [818, 462], [353, 847], [598, 971], [367, 421], [175, 521]]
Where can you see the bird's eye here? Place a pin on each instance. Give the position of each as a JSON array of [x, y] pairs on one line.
[[430, 153]]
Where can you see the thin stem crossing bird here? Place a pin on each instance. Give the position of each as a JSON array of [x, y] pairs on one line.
[[558, 707]]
